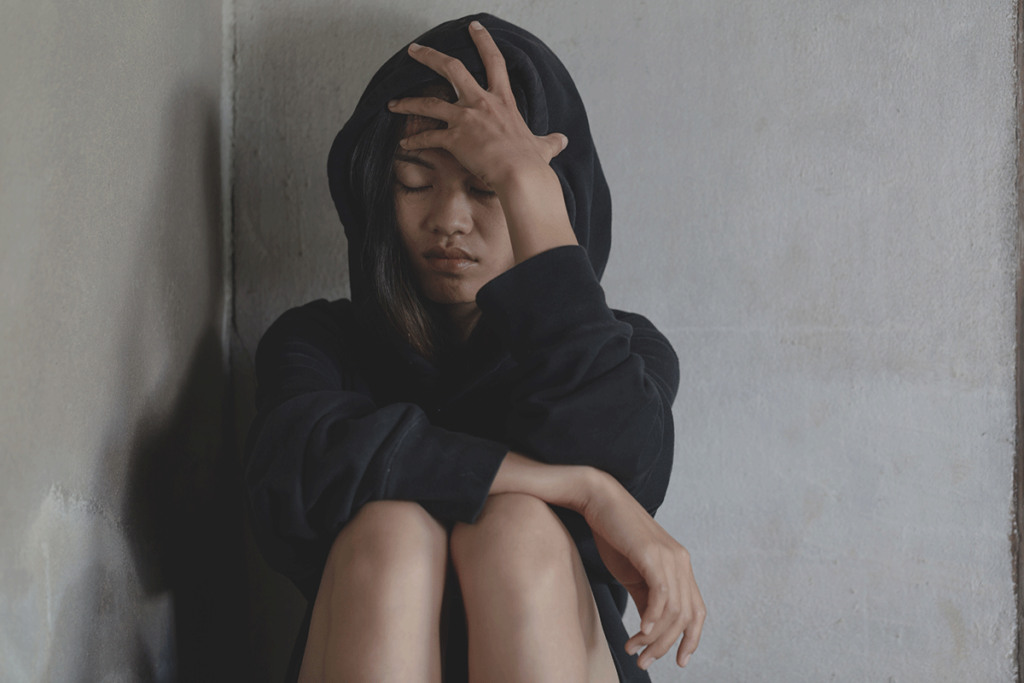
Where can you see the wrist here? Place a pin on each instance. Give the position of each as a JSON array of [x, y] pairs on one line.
[[581, 485], [568, 486], [531, 198], [522, 176], [597, 487]]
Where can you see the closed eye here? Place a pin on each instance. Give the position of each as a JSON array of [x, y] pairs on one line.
[[486, 194], [413, 190]]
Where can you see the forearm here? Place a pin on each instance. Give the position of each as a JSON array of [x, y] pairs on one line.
[[568, 486], [535, 211]]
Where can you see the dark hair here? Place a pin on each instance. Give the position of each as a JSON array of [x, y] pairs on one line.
[[385, 263]]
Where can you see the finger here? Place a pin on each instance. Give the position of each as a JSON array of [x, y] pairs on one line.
[[691, 637], [634, 644], [674, 606], [555, 143], [659, 592], [640, 598], [637, 643], [662, 644], [428, 139], [642, 643], [454, 71], [670, 624], [431, 107], [490, 55]]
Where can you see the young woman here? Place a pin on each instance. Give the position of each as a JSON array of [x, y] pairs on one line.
[[459, 466]]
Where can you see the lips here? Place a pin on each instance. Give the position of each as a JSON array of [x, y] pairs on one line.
[[448, 253], [449, 260]]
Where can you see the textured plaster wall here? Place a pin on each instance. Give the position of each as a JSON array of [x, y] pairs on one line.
[[815, 201], [119, 549]]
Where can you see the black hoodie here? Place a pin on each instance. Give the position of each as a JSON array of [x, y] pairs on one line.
[[348, 415]]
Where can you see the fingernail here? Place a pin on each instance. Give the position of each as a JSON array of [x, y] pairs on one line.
[[392, 103], [645, 662], [686, 660], [632, 649], [476, 25], [565, 141], [414, 46], [646, 628]]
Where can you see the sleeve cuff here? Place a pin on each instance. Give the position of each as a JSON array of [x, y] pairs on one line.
[[436, 463], [535, 302]]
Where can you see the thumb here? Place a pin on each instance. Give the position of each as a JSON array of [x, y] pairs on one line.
[[555, 142]]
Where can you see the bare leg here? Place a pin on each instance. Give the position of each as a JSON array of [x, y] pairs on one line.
[[530, 610], [377, 613]]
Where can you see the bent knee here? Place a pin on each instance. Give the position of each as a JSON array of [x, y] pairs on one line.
[[386, 537], [518, 538]]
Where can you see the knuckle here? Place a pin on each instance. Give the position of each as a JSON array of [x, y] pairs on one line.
[[455, 66], [648, 557]]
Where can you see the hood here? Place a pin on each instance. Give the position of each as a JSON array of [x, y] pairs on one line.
[[552, 105]]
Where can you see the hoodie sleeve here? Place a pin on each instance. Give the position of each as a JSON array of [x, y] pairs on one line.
[[597, 385], [320, 448]]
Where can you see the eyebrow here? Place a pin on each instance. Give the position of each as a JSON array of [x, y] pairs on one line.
[[410, 159]]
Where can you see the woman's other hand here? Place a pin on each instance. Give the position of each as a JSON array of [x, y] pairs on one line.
[[488, 136], [653, 567]]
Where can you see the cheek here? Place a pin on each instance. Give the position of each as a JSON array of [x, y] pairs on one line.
[[406, 219], [498, 240]]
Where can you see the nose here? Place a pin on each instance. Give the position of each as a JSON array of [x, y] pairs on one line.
[[451, 212]]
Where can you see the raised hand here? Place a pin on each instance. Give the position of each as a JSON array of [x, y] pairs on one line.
[[487, 135], [486, 132], [653, 567]]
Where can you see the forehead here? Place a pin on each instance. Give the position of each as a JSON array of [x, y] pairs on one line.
[[432, 159]]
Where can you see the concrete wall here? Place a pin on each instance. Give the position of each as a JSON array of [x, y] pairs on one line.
[[815, 201], [119, 542]]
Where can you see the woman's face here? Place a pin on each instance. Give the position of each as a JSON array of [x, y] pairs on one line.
[[452, 226]]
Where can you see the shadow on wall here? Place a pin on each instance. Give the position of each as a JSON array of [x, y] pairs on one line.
[[183, 494], [309, 70], [169, 458], [185, 508]]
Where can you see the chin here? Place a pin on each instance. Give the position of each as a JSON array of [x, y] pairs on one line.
[[444, 294]]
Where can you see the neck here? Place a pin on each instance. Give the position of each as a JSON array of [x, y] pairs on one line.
[[460, 320]]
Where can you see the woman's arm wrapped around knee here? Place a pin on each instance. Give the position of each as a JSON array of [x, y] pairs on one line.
[[645, 558]]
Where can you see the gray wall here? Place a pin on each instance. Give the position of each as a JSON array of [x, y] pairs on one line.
[[815, 201], [119, 542]]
